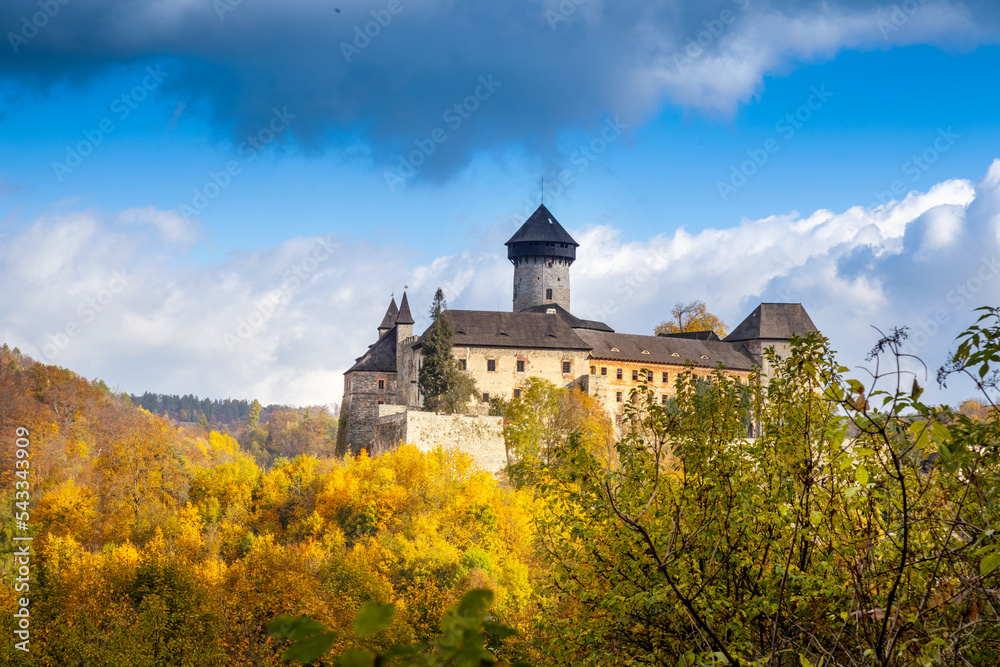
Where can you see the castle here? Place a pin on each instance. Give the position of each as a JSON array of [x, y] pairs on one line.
[[541, 338]]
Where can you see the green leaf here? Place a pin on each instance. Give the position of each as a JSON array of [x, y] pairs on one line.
[[294, 627], [989, 563], [307, 650], [498, 630], [355, 657], [475, 602], [861, 474], [372, 617], [815, 518]]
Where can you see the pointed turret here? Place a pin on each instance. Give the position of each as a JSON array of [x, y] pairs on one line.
[[389, 321], [404, 316]]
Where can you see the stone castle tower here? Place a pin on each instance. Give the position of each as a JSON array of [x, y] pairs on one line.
[[541, 252]]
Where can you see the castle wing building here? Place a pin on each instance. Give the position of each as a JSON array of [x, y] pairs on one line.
[[542, 338]]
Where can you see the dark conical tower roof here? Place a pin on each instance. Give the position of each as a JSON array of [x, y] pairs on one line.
[[390, 316], [541, 235], [404, 316]]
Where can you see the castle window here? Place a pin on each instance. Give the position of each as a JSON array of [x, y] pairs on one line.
[[615, 349], [619, 374], [566, 368], [649, 376], [380, 401], [618, 397], [666, 376], [704, 356], [381, 383], [675, 354], [548, 294], [517, 393], [491, 365], [663, 399], [618, 420], [635, 375], [486, 397], [520, 365], [604, 370], [593, 370], [645, 351], [463, 364]]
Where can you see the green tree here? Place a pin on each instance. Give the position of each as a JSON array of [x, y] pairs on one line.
[[446, 388], [253, 417], [798, 547]]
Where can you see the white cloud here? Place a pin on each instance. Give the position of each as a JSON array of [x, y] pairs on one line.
[[122, 297]]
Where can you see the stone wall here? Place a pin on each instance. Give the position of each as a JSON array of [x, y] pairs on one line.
[[480, 436], [362, 399], [534, 275]]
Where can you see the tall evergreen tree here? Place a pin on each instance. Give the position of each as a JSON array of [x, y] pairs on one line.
[[253, 418], [444, 386]]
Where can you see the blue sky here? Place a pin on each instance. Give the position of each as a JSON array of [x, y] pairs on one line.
[[838, 154]]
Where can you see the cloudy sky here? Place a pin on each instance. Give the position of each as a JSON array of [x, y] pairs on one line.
[[218, 197]]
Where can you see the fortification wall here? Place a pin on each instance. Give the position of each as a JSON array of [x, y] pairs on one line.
[[480, 436]]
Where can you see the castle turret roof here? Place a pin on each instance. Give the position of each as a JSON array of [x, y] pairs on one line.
[[390, 316], [404, 316], [773, 321], [542, 226]]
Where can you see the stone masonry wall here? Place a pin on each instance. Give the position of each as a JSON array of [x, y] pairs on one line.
[[479, 436], [362, 401], [533, 275], [545, 364]]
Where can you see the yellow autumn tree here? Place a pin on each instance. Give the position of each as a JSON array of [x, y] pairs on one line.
[[692, 316]]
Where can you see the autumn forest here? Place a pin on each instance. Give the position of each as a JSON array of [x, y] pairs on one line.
[[856, 528]]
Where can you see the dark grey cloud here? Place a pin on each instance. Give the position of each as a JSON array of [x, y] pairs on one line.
[[555, 64]]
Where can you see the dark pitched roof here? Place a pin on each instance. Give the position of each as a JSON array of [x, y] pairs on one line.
[[572, 320], [380, 357], [484, 328], [542, 226], [695, 335], [390, 316], [404, 316], [662, 350], [773, 321]]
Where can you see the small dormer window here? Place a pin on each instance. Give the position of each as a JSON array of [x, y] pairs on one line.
[[675, 354], [704, 356], [645, 351], [615, 349]]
